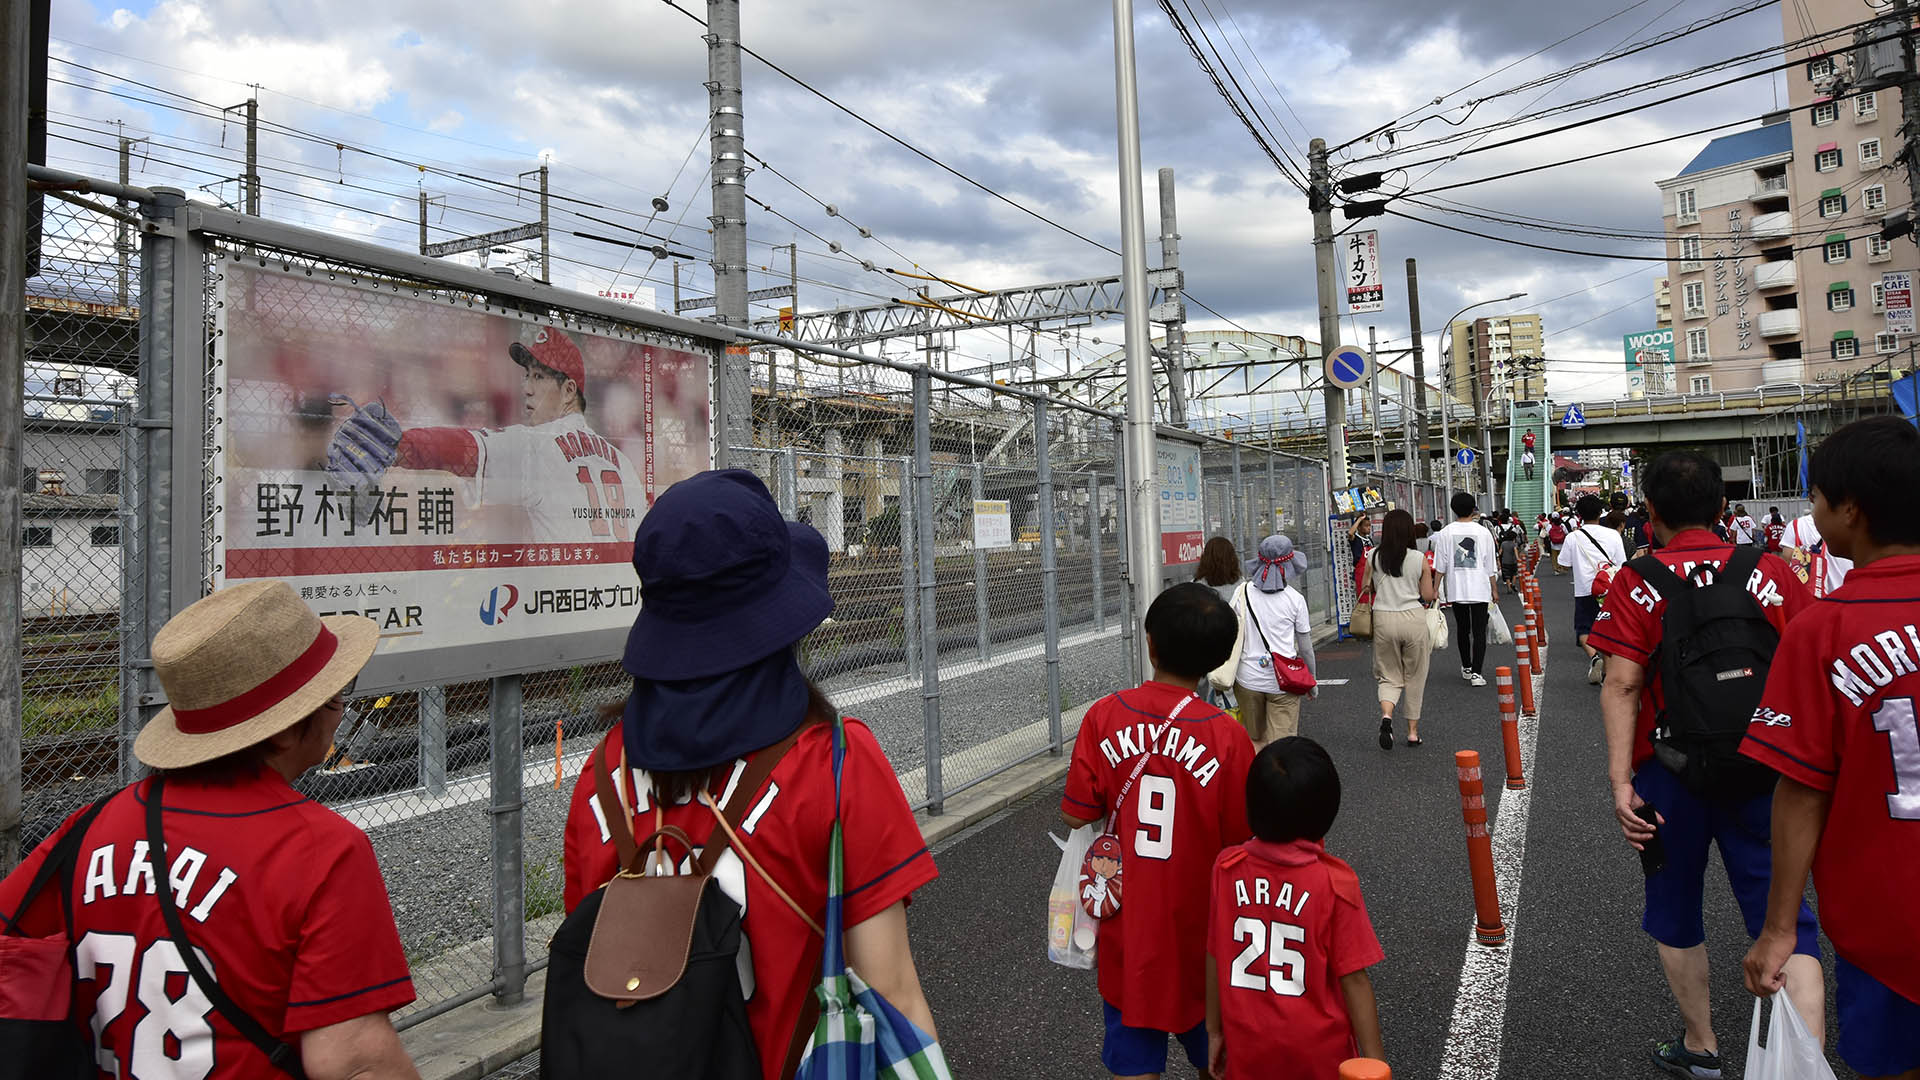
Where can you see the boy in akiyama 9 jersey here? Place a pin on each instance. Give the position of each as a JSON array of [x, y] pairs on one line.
[[1838, 722], [1288, 938], [1187, 803]]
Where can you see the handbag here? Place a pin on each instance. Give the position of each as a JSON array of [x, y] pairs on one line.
[[1290, 672], [1360, 624], [282, 1056], [1101, 865], [36, 977], [1603, 576], [1436, 628], [859, 1034]]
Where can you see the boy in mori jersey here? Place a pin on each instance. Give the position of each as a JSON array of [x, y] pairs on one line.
[[1168, 772], [1837, 722], [1288, 937]]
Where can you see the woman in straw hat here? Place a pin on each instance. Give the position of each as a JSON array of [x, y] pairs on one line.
[[730, 588], [1273, 619], [279, 898]]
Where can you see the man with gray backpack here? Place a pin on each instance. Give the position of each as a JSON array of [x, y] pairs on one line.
[[1690, 632]]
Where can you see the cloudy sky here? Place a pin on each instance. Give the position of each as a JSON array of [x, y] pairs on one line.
[[1016, 93]]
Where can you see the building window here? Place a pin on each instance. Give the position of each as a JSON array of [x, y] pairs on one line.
[[105, 535], [1879, 297], [1826, 160], [103, 481], [1845, 348], [1685, 206], [1694, 299], [1700, 384], [1884, 342], [1825, 113], [1865, 106], [1697, 345], [1833, 205], [36, 536], [1838, 251], [1875, 197], [1840, 300], [1879, 250], [1869, 153], [1820, 67], [1689, 253]]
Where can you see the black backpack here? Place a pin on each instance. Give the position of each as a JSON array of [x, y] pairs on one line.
[[642, 977], [1716, 646]]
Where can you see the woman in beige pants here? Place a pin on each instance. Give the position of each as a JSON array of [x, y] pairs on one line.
[[1402, 586]]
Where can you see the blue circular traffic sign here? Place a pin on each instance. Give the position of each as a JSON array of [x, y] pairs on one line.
[[1348, 366], [1464, 456]]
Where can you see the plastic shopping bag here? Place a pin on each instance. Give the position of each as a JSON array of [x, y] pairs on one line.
[[1437, 628], [1791, 1053], [1071, 932], [1497, 631]]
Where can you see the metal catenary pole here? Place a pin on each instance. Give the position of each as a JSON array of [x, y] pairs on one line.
[[1176, 326], [1326, 272], [909, 541], [922, 525], [1237, 523], [1419, 365], [1122, 518], [981, 614], [1373, 387], [508, 809], [15, 37], [1099, 551], [1142, 473], [732, 390], [1049, 571], [253, 156]]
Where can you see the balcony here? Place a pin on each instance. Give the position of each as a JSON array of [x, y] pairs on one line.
[[1775, 275], [1771, 187], [1772, 226], [1782, 323]]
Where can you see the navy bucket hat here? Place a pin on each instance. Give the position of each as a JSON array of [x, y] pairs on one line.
[[724, 580]]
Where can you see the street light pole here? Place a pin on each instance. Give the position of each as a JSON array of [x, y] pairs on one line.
[[1446, 393]]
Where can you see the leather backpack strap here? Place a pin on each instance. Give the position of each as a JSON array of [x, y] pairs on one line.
[[759, 767], [627, 853]]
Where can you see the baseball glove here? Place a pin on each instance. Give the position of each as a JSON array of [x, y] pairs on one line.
[[364, 445]]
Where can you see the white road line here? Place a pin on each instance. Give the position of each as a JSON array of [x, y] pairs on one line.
[[1480, 1004]]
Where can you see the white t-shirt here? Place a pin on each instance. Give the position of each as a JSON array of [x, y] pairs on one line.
[[576, 486], [1743, 529], [1282, 615], [1802, 536], [1583, 558], [1465, 554]]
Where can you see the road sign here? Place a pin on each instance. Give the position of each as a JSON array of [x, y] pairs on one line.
[[1463, 456], [1364, 291], [1897, 287], [1575, 418], [1348, 366]]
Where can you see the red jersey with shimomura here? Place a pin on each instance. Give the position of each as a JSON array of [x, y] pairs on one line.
[[786, 830], [1189, 802], [1839, 716]]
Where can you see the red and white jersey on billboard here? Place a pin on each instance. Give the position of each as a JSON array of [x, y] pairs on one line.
[[787, 831], [1839, 715], [576, 486], [279, 895], [1189, 802], [1287, 923]]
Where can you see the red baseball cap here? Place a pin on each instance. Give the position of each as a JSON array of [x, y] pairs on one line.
[[554, 351]]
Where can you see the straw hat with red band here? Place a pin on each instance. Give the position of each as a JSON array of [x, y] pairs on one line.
[[243, 665]]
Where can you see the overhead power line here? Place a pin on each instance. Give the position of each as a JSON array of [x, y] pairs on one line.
[[1233, 104]]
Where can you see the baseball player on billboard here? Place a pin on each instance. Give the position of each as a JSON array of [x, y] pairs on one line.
[[575, 485]]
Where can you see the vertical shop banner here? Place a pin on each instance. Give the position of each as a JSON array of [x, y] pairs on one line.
[[468, 479], [1181, 537], [1364, 291], [1897, 287]]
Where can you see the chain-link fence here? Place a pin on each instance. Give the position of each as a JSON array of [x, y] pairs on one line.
[[977, 537]]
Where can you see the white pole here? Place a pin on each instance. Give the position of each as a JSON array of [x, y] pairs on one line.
[[1143, 534]]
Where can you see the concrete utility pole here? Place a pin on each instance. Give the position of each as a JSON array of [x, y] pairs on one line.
[[15, 53], [1176, 332], [1909, 106], [1419, 365], [1373, 384], [733, 390], [546, 240], [1325, 270], [123, 239], [251, 178], [423, 222], [1142, 466]]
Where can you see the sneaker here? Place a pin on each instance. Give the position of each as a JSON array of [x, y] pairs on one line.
[[1466, 674], [1386, 733], [1476, 679], [1596, 669], [1675, 1058]]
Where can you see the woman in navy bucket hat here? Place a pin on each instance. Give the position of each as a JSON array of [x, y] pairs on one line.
[[728, 589]]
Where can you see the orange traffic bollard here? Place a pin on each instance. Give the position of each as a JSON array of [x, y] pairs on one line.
[[1509, 727], [1365, 1069], [1488, 929], [1536, 659], [1523, 653]]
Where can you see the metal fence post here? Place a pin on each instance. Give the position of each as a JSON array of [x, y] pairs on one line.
[[509, 879], [433, 739], [981, 616], [789, 484], [1120, 511], [1238, 522], [1093, 536], [929, 628], [1049, 572], [909, 569]]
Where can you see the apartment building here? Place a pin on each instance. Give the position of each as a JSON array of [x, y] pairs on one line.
[[1482, 356], [1662, 304]]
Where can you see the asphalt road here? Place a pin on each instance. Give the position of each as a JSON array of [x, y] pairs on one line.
[[1586, 996]]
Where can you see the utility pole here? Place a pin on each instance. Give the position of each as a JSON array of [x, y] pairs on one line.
[[123, 239], [1175, 308], [1325, 269], [1373, 384], [1909, 106], [546, 240], [1140, 459], [16, 50], [1473, 382], [423, 223], [1419, 365], [251, 178], [733, 389]]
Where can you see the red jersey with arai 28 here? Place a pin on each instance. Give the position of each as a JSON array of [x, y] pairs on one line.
[[1839, 716], [1189, 803]]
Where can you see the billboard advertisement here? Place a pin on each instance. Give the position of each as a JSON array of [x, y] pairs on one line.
[[1648, 349], [1364, 291], [469, 478], [1181, 533]]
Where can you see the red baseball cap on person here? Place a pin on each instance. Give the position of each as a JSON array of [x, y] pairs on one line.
[[555, 351]]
